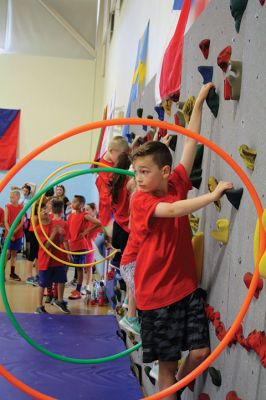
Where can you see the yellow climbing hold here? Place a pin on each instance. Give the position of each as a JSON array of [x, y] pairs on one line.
[[188, 108], [194, 222], [262, 264], [222, 232], [212, 183], [198, 248], [248, 155]]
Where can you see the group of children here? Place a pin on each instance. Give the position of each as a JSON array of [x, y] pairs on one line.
[[146, 217]]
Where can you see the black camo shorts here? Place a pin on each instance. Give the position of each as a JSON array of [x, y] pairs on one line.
[[167, 331]]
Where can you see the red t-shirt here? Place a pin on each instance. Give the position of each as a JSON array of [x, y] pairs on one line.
[[165, 266], [103, 185], [121, 208], [12, 214], [2, 217], [76, 225], [44, 260], [65, 232]]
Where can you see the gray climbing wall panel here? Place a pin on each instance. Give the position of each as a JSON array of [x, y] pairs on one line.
[[238, 122]]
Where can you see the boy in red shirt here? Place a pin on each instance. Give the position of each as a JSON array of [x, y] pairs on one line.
[[117, 146], [50, 270], [11, 211], [78, 230], [171, 309]]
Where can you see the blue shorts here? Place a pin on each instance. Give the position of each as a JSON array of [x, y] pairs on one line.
[[15, 245], [79, 258], [52, 275]]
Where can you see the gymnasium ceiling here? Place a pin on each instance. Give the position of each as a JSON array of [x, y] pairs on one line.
[[54, 28]]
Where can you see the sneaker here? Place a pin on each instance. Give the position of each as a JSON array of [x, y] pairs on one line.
[[31, 281], [130, 325], [14, 277], [83, 290], [61, 306], [49, 299], [40, 310], [125, 303], [75, 295]]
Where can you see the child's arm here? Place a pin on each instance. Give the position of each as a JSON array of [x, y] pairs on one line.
[[20, 225], [96, 225], [7, 226], [184, 207], [189, 149], [33, 187], [55, 231]]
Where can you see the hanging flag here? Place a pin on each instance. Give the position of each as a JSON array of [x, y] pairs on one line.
[[9, 128], [138, 76], [168, 79]]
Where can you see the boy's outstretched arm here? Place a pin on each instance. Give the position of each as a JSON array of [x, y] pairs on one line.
[[189, 149], [184, 207]]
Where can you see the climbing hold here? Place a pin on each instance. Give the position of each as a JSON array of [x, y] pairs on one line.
[[227, 90], [222, 232], [262, 2], [215, 375], [234, 76], [167, 105], [196, 178], [247, 280], [212, 183], [198, 157], [232, 396], [248, 155], [198, 249], [173, 142], [237, 8], [212, 101], [194, 222], [206, 73], [204, 46], [179, 118], [196, 173], [145, 127], [256, 239], [224, 58], [130, 137], [160, 112], [234, 196], [188, 108], [140, 112], [204, 396]]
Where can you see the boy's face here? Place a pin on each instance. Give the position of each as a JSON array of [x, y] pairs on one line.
[[90, 211], [14, 198], [76, 204], [59, 191], [149, 177], [44, 213]]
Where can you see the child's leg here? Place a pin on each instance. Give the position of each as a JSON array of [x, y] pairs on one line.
[[40, 296], [60, 291], [88, 276], [13, 258], [194, 358], [80, 278], [167, 371], [131, 313]]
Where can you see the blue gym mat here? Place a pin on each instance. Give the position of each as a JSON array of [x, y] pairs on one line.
[[73, 336]]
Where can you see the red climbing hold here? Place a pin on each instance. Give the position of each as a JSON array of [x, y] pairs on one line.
[[262, 2], [204, 396], [232, 396], [204, 46], [224, 58], [227, 90], [247, 280]]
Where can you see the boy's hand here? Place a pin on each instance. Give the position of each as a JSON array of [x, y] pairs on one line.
[[203, 93], [167, 139], [12, 238], [220, 189]]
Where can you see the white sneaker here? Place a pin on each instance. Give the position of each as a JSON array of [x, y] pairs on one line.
[[131, 326]]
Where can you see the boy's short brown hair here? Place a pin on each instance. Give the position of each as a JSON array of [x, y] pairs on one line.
[[159, 151], [119, 143]]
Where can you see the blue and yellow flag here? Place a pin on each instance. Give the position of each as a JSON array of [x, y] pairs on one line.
[[139, 75]]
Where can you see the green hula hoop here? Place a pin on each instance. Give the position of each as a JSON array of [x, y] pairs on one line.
[[2, 277]]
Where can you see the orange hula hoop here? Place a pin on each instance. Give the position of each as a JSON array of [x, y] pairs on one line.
[[220, 152]]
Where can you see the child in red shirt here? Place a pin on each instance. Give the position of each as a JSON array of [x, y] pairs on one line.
[[117, 146], [2, 218], [77, 225], [11, 211], [50, 270], [171, 310]]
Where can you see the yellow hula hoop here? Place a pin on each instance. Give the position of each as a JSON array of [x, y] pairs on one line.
[[39, 207], [40, 242]]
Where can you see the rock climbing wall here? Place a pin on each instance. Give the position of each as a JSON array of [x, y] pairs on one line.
[[238, 122]]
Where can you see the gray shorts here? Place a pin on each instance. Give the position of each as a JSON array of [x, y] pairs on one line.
[[127, 273]]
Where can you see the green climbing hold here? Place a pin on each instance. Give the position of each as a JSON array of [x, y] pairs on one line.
[[215, 375]]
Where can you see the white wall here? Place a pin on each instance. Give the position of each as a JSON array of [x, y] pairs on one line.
[[130, 23], [54, 95]]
